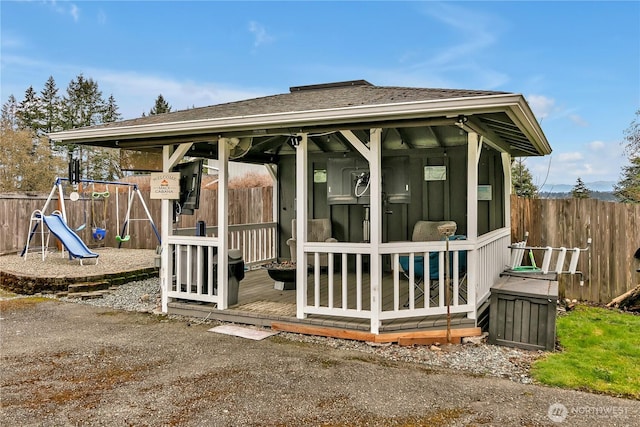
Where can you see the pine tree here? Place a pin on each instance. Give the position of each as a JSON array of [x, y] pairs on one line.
[[628, 188], [9, 109], [51, 104], [580, 191], [522, 180], [29, 112], [83, 104], [111, 113], [161, 106]]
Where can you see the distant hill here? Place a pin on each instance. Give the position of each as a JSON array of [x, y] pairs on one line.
[[607, 196], [603, 186]]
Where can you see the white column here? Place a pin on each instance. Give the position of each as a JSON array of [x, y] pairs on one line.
[[275, 201], [301, 225], [223, 223], [167, 228], [506, 167], [375, 192], [473, 155]]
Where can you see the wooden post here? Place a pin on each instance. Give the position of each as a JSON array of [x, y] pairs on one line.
[[223, 223], [375, 193], [301, 224]]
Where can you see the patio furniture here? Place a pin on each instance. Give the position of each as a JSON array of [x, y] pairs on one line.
[[318, 230], [428, 231], [559, 254]]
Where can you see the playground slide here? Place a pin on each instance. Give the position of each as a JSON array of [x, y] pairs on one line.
[[71, 241]]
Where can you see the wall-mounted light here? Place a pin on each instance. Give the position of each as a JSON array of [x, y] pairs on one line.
[[295, 140]]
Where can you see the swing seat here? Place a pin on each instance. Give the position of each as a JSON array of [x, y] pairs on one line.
[[99, 233], [82, 227], [123, 239]]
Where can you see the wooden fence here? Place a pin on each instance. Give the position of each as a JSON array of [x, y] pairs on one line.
[[246, 206], [609, 266]]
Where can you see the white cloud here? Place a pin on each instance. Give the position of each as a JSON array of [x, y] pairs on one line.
[[578, 120], [599, 161], [260, 34], [65, 8], [570, 157], [135, 93], [75, 12], [541, 105], [102, 17], [465, 54]]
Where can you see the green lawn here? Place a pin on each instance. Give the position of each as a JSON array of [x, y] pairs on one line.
[[600, 353]]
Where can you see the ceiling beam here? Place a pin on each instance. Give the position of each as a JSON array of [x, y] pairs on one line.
[[490, 137], [357, 144]]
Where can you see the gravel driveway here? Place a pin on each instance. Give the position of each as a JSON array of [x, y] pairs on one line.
[[72, 364]]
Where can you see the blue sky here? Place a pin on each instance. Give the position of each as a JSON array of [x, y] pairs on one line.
[[576, 63]]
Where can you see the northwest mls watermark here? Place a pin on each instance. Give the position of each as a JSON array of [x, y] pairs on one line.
[[558, 412]]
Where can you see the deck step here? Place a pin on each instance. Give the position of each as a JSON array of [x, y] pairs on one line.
[[88, 287], [88, 295]]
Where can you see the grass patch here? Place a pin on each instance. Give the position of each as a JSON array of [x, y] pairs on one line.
[[600, 353]]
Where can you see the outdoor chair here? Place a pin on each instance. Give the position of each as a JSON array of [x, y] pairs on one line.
[[428, 231], [318, 230]]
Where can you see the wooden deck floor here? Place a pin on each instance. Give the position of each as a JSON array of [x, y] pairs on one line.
[[259, 303]]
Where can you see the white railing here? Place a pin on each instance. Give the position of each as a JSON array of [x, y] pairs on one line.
[[191, 268], [256, 241], [344, 306], [430, 258], [492, 258], [339, 294], [474, 267]]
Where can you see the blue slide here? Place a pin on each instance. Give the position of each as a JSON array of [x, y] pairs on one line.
[[71, 241]]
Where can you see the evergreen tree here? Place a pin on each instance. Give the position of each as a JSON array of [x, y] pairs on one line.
[[29, 112], [111, 113], [9, 109], [628, 188], [580, 191], [161, 106], [632, 137], [522, 180], [51, 104], [83, 104]]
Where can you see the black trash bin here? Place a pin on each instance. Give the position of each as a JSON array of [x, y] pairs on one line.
[[236, 274]]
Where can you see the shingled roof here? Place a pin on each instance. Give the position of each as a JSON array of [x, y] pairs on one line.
[[505, 116], [312, 97]]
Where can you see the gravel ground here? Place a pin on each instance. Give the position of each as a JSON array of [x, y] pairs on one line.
[[110, 260], [68, 364], [480, 359]]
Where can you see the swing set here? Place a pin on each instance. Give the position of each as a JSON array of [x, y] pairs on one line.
[[97, 232]]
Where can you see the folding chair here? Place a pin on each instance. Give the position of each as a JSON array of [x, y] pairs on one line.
[[434, 269]]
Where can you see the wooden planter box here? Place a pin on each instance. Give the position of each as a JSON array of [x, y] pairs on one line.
[[523, 313]]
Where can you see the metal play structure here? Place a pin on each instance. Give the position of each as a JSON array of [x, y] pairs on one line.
[[58, 225]]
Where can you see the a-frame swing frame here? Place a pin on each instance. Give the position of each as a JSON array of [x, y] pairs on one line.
[[135, 190]]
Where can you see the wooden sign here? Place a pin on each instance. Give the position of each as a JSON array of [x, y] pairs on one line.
[[165, 186]]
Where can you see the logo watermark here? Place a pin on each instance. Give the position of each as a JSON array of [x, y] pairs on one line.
[[558, 412]]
